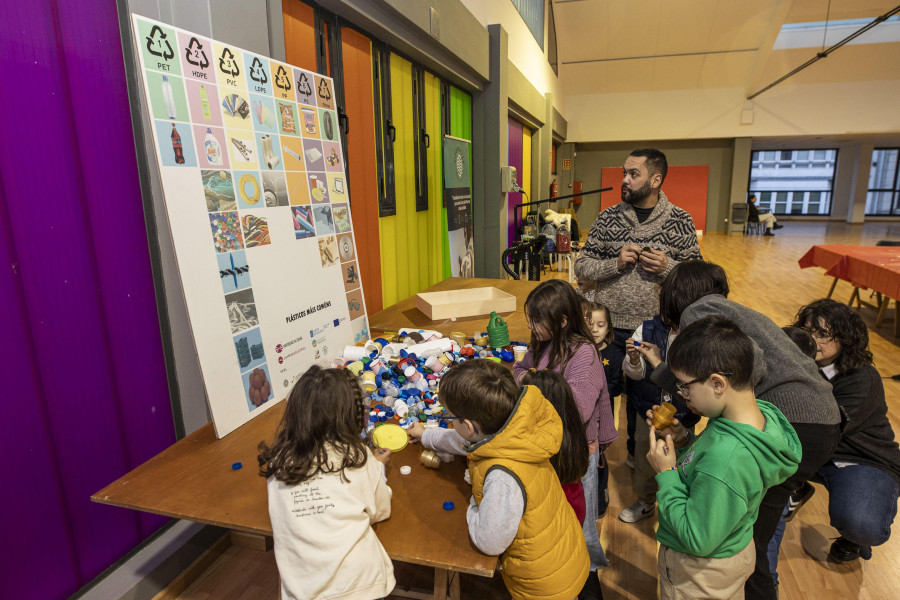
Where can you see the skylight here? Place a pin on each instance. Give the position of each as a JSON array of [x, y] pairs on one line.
[[811, 35]]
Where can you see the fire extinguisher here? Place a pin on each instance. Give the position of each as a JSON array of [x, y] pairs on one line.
[[554, 189]]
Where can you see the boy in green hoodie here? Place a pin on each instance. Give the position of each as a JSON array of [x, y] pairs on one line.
[[711, 485]]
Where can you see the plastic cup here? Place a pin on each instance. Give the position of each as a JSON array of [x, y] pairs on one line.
[[519, 352]]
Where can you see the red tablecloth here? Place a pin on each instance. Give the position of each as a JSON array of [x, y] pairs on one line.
[[872, 267]]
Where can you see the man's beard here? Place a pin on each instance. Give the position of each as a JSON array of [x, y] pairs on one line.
[[632, 196]]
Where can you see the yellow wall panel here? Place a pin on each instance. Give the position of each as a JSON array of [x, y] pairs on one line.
[[526, 164]]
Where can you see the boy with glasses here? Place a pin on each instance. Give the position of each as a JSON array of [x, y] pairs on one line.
[[711, 485]]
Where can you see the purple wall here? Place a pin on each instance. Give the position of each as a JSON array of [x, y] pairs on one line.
[[514, 160], [85, 383]]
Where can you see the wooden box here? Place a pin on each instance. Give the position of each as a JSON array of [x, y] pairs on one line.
[[465, 303]]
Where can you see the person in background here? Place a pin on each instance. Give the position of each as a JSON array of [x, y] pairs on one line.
[[631, 248], [711, 485], [600, 324], [863, 475], [509, 435], [319, 455], [767, 219]]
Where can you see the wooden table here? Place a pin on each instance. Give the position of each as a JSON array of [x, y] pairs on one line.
[[194, 479], [869, 267]]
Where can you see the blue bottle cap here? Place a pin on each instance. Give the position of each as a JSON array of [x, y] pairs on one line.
[[448, 505], [382, 392], [378, 379], [236, 466], [404, 353]]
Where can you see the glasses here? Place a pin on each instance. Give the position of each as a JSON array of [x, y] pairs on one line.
[[819, 335], [683, 388]]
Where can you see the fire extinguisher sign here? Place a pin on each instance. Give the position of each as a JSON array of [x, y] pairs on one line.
[[567, 164]]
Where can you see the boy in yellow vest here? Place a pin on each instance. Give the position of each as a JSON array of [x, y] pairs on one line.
[[711, 485], [518, 509]]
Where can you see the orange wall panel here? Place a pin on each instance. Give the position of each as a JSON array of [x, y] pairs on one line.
[[299, 34], [358, 98], [685, 187]]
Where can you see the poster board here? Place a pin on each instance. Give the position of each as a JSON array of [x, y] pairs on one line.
[[458, 203], [685, 187], [256, 196]]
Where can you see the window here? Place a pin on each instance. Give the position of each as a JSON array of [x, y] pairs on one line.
[[793, 182], [552, 56], [532, 12], [883, 197], [385, 132]]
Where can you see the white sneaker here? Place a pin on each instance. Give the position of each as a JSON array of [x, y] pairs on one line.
[[629, 461], [637, 511]]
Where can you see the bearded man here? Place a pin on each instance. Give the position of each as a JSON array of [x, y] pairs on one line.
[[631, 248]]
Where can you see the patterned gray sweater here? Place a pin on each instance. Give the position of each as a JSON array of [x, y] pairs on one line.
[[632, 295]]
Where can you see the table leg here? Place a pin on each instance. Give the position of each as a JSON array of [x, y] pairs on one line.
[[446, 584], [833, 285], [883, 302]]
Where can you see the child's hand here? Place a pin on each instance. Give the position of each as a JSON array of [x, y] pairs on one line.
[[676, 430], [585, 285], [382, 455], [415, 432], [661, 455], [651, 353], [633, 355]]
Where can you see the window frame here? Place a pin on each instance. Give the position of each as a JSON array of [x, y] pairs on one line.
[[773, 199], [894, 191]]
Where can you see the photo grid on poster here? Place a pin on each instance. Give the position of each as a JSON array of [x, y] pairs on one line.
[[267, 207]]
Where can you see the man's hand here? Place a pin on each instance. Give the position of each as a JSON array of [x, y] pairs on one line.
[[628, 256], [382, 455], [653, 261], [661, 455]]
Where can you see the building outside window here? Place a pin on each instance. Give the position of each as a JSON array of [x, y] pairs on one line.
[[883, 197], [793, 182]]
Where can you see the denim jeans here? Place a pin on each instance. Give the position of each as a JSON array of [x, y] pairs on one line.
[[591, 536], [862, 503], [775, 546], [818, 443]]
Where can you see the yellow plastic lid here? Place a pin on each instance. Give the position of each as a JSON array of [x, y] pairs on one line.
[[392, 437]]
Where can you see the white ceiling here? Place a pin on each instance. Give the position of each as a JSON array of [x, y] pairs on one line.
[[611, 46]]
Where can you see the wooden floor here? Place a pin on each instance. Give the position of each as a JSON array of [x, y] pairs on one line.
[[764, 275]]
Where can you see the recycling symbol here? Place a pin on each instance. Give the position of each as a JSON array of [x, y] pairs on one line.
[[155, 44], [258, 72], [324, 90], [282, 80], [195, 54], [303, 85], [227, 63]]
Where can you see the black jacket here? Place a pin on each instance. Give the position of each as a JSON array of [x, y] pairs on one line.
[[868, 438]]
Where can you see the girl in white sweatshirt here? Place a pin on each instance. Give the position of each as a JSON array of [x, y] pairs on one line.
[[326, 488]]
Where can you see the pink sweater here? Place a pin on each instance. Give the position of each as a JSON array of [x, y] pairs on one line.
[[585, 376]]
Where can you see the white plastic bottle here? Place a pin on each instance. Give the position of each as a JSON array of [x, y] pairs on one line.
[[213, 149], [169, 98]]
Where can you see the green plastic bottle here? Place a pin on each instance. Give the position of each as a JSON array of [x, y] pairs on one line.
[[498, 332]]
